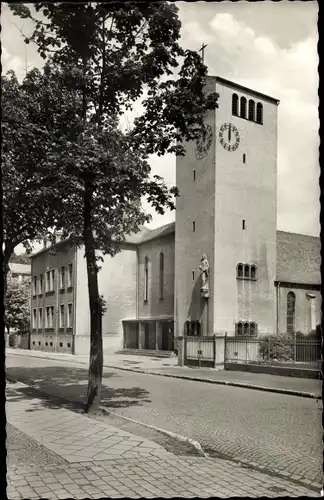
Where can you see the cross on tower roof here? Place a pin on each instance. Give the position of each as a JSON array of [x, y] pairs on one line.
[[202, 49]]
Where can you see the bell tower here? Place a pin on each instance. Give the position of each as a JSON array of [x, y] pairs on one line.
[[227, 210]]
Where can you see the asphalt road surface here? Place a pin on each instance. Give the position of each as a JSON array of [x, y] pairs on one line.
[[274, 431]]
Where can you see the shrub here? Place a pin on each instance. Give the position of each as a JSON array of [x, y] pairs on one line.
[[276, 347]]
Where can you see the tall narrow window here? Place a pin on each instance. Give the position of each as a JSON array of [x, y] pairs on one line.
[[34, 285], [40, 284], [194, 174], [161, 275], [70, 276], [291, 303], [259, 113], [244, 157], [49, 320], [146, 279], [243, 107], [193, 226], [193, 275], [246, 271], [62, 277], [69, 316], [62, 316], [34, 319], [239, 271], [235, 104], [243, 224], [246, 329], [40, 318], [251, 110]]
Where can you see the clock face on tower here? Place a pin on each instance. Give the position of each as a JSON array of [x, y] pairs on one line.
[[204, 143], [229, 137]]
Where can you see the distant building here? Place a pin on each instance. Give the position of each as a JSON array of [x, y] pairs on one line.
[[260, 280], [20, 271]]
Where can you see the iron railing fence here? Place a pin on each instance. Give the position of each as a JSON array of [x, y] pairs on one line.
[[265, 350], [200, 349]]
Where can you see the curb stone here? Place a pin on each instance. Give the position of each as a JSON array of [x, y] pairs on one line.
[[287, 392]]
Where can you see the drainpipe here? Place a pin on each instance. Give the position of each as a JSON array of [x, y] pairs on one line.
[[278, 309]]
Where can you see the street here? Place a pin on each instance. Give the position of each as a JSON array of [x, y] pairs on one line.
[[272, 431]]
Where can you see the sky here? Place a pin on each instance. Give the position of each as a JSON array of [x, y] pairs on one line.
[[267, 46]]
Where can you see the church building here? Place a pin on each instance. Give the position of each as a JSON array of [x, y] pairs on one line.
[[222, 267]]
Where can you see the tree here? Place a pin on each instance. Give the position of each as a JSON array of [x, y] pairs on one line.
[[16, 302], [110, 55], [29, 193]]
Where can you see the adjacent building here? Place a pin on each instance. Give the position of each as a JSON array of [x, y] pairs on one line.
[[261, 281]]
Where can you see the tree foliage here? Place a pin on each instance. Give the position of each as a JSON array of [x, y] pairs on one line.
[[101, 58], [16, 302]]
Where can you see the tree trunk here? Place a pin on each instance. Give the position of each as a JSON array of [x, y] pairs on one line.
[[96, 355]]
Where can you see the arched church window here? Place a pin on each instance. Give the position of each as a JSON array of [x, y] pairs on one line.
[[259, 113], [253, 329], [239, 329], [239, 270], [291, 305], [253, 272], [246, 328], [243, 107], [146, 279], [235, 101], [161, 275], [251, 109], [246, 271]]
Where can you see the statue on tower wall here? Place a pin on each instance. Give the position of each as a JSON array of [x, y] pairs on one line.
[[204, 274]]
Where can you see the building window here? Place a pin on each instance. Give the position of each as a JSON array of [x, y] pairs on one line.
[[70, 276], [239, 270], [239, 329], [246, 329], [235, 105], [69, 316], [34, 319], [253, 329], [251, 110], [161, 275], [62, 277], [243, 224], [35, 285], [193, 226], [244, 158], [146, 279], [50, 281], [253, 272], [40, 284], [40, 318], [259, 113], [291, 304], [245, 271], [194, 175], [243, 107], [193, 275], [49, 320], [62, 317]]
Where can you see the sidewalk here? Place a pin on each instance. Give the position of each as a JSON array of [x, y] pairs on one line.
[[102, 460], [168, 367]]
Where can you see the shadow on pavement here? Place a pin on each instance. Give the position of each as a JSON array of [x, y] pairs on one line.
[[71, 384]]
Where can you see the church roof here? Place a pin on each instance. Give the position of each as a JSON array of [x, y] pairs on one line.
[[149, 234], [298, 258]]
